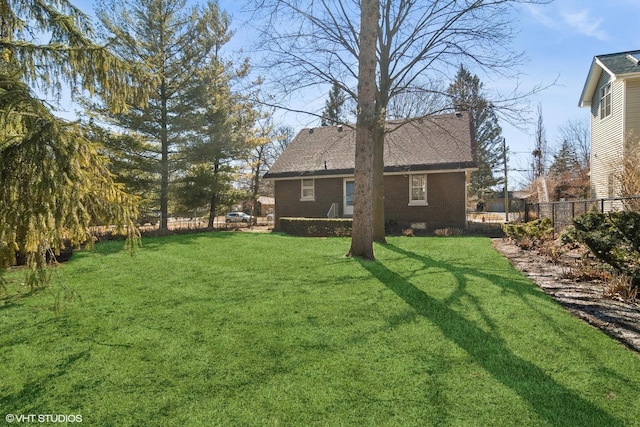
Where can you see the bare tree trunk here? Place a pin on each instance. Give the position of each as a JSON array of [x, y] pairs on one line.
[[164, 178], [212, 210], [362, 231], [378, 183], [213, 203]]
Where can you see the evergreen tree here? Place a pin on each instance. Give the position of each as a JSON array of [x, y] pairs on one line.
[[567, 174], [333, 113], [53, 180], [172, 43], [221, 127], [466, 95]]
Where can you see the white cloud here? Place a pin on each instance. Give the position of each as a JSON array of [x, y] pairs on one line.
[[583, 23], [538, 14], [576, 21]]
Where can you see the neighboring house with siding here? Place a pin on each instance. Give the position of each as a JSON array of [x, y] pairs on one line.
[[612, 92], [428, 163]]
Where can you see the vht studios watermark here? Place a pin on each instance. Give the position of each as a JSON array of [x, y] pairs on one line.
[[42, 418]]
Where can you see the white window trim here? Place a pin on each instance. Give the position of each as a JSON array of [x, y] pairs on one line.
[[418, 202], [304, 198], [605, 91]]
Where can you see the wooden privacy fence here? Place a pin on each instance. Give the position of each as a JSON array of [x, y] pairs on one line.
[[562, 213]]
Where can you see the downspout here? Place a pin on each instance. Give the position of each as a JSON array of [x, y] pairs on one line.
[[467, 182]]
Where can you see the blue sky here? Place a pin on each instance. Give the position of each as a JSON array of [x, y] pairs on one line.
[[559, 41]]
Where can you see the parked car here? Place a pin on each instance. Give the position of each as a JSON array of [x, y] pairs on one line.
[[237, 217]]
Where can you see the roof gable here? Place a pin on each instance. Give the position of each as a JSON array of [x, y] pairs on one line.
[[616, 65], [432, 143]]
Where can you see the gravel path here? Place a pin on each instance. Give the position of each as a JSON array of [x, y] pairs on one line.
[[583, 298]]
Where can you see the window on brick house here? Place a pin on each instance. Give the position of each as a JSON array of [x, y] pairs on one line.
[[307, 191], [418, 189]]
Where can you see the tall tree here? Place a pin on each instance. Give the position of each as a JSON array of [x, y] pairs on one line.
[[539, 157], [135, 171], [432, 99], [540, 153], [173, 43], [53, 182], [269, 142], [576, 134], [219, 122], [333, 113], [362, 230], [417, 40], [466, 94], [567, 175], [279, 140]]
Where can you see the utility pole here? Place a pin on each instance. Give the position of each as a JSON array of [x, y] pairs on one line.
[[506, 186]]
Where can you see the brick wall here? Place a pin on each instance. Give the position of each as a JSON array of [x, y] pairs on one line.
[[445, 195], [288, 203]]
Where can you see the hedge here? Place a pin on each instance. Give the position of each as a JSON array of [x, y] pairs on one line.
[[316, 227]]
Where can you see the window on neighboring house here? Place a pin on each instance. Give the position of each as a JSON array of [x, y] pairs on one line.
[[418, 189], [307, 192], [605, 101]]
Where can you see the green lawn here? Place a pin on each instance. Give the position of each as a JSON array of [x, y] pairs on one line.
[[263, 329]]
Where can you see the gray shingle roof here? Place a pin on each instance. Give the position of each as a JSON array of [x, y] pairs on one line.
[[442, 142], [621, 64]]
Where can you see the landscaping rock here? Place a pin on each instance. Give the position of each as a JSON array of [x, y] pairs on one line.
[[585, 299]]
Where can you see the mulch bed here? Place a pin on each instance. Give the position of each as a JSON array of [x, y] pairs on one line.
[[584, 298]]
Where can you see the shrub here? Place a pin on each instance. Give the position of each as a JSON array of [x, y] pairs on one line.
[[408, 232], [620, 287], [613, 238], [445, 232], [531, 234], [316, 227]]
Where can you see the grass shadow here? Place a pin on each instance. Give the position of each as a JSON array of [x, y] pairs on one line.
[[34, 390], [548, 398]]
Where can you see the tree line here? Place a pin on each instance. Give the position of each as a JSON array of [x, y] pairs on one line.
[[170, 121]]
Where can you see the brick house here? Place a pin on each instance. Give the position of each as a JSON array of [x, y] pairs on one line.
[[427, 167], [612, 93]]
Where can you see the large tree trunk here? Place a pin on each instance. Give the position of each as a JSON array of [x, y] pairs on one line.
[[212, 211], [164, 178], [214, 197], [362, 231], [378, 183]]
